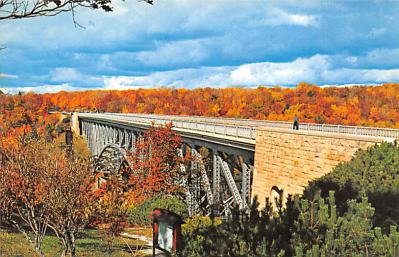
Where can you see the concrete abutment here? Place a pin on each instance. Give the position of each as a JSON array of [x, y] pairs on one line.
[[288, 159]]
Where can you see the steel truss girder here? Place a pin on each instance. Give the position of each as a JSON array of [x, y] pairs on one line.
[[216, 177], [204, 177], [100, 136], [192, 205], [246, 184], [230, 181]]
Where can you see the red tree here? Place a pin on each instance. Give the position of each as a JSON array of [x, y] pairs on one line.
[[155, 163]]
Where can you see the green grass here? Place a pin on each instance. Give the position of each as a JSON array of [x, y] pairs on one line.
[[91, 243]]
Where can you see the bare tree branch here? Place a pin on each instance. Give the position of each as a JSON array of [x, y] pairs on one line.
[[18, 9]]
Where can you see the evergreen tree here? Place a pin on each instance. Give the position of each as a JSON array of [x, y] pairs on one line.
[[321, 222], [304, 228], [373, 173]]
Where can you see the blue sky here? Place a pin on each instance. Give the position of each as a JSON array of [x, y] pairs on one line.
[[191, 43]]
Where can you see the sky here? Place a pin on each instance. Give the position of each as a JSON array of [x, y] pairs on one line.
[[207, 43]]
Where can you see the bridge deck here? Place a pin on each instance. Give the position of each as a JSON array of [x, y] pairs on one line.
[[240, 130]]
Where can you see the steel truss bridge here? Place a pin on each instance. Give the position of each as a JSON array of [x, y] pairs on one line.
[[223, 150]]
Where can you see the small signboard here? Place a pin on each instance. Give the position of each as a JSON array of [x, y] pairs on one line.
[[166, 230], [165, 236]]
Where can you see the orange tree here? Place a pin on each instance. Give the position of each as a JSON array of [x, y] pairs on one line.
[[70, 203], [111, 208], [43, 187], [154, 164], [24, 191]]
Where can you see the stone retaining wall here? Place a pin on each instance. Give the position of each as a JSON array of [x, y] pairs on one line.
[[288, 159]]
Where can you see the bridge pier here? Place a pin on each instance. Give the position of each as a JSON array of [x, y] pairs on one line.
[[286, 160]]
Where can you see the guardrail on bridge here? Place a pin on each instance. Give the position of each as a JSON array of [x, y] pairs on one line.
[[240, 127]]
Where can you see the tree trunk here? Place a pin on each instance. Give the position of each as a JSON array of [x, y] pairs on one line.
[[65, 245], [37, 248], [72, 244], [36, 244], [69, 243], [109, 242]]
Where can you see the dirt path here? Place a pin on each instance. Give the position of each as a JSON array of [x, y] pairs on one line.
[[147, 251]]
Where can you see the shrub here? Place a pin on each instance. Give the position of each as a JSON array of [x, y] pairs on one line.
[[194, 233], [319, 231], [373, 173], [245, 233], [304, 228], [140, 215], [198, 222]]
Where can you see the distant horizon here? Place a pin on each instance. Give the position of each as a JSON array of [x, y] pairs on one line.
[[17, 90]]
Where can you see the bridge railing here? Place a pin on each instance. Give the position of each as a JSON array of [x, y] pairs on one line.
[[227, 130], [222, 129], [229, 121], [352, 130], [245, 128], [341, 129]]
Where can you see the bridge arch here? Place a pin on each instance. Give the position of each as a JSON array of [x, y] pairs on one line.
[[112, 159]]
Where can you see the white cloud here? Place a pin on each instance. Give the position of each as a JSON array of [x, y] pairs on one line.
[[40, 89], [138, 39], [201, 77], [373, 33], [134, 21], [278, 17], [71, 76], [5, 75], [175, 53], [65, 74], [280, 73], [282, 17], [380, 57], [315, 69], [360, 75]]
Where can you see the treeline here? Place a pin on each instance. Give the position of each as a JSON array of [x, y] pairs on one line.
[[356, 105]]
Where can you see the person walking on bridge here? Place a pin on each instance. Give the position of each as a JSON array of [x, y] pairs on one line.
[[296, 123]]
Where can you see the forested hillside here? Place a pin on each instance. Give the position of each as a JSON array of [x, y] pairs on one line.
[[356, 105]]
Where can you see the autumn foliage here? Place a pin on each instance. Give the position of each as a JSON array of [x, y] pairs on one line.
[[356, 105], [43, 188], [26, 114], [154, 163], [111, 207]]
